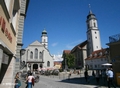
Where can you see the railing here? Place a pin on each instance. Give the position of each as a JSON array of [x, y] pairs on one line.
[[34, 60], [114, 38]]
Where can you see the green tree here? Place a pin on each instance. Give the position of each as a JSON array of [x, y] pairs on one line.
[[70, 60]]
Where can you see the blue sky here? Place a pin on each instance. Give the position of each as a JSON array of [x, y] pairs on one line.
[[65, 22]]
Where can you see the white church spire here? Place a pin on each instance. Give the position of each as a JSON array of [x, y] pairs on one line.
[[44, 38], [93, 34]]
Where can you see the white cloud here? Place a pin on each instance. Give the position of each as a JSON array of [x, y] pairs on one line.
[[58, 57], [54, 44]]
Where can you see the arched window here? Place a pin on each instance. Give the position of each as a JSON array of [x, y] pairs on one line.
[[48, 63], [40, 55], [31, 55], [36, 53], [94, 25]]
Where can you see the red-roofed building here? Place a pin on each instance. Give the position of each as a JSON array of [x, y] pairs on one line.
[[80, 53], [64, 64], [66, 51], [97, 58], [58, 64]]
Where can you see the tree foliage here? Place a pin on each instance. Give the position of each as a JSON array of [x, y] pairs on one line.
[[70, 60]]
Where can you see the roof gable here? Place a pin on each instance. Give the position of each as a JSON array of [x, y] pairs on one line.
[[79, 46], [66, 51], [36, 43]]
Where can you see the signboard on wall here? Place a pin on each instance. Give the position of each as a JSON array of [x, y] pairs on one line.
[[5, 58]]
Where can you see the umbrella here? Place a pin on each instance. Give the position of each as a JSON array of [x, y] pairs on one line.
[[107, 64], [44, 69]]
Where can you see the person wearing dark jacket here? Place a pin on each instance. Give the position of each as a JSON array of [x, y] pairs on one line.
[[86, 75]]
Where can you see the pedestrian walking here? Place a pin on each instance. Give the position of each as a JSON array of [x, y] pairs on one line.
[[110, 78], [104, 77], [93, 73], [33, 72], [17, 80], [69, 75], [30, 80], [26, 81], [97, 75], [86, 75]]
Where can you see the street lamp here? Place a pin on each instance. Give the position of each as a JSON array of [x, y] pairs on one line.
[[22, 64], [66, 67]]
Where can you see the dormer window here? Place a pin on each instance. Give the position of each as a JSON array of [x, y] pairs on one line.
[[90, 55], [100, 53], [106, 52], [95, 54]]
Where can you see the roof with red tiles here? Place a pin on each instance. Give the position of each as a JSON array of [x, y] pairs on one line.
[[102, 53], [67, 51]]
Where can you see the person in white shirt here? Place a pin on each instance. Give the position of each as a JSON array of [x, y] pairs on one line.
[[110, 78], [29, 80]]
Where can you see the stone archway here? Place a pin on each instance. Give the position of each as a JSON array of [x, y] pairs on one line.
[[35, 66]]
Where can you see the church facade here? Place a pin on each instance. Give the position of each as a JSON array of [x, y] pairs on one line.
[[37, 55]]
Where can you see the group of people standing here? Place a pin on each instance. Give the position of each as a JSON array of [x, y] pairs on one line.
[[29, 80], [105, 75]]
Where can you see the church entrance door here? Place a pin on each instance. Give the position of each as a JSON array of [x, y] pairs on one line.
[[35, 66]]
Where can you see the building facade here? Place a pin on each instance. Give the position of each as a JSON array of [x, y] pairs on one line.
[[9, 16], [23, 11], [37, 55], [97, 58], [80, 53], [114, 45]]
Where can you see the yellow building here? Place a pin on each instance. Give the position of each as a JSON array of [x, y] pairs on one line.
[[9, 15], [114, 45]]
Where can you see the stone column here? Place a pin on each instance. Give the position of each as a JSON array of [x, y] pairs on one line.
[[28, 67], [31, 66], [38, 65]]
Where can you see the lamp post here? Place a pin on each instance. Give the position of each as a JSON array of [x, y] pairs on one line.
[[66, 67], [22, 64]]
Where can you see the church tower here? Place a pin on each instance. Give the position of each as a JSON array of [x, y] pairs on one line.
[[93, 34], [44, 38]]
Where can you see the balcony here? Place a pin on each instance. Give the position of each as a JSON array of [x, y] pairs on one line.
[[35, 60], [114, 38]]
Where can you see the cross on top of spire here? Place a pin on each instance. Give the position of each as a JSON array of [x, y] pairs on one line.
[[89, 6], [90, 12]]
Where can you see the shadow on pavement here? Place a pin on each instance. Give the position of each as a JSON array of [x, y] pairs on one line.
[[81, 80]]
